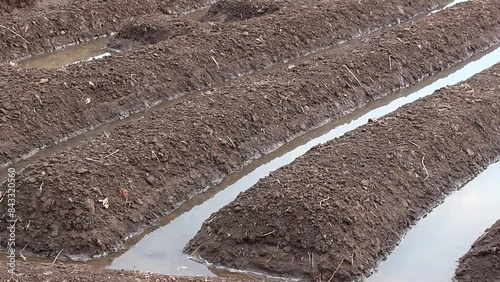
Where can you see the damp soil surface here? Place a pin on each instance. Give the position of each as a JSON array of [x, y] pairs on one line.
[[46, 106], [9, 5], [30, 27], [482, 261], [149, 166], [29, 272], [335, 212]]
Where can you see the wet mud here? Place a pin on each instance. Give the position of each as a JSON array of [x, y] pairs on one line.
[[482, 261], [338, 210], [29, 272], [47, 106], [239, 10], [149, 166], [47, 27], [44, 29]]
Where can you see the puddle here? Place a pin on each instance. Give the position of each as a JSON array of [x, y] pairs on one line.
[[87, 51], [448, 4], [431, 249], [160, 250]]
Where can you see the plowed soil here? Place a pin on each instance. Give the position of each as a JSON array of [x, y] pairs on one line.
[[45, 106], [482, 262], [335, 212], [46, 27], [9, 5], [237, 10], [151, 165], [31, 272]]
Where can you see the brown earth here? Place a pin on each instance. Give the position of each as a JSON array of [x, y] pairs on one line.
[[335, 212], [9, 5], [150, 165], [44, 272], [482, 261], [237, 10], [44, 28], [151, 29], [40, 107]]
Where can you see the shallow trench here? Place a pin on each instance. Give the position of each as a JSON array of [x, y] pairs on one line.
[[97, 49], [160, 249], [430, 251], [94, 49]]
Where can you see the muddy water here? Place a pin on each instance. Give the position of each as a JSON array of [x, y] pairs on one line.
[[430, 250], [161, 250], [94, 49]]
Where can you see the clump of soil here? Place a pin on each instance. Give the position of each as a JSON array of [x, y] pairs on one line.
[[151, 30], [239, 10], [335, 212], [482, 262], [30, 272]]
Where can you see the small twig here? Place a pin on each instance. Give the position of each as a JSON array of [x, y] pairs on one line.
[[390, 63], [89, 159], [482, 236], [267, 234], [425, 169], [39, 99], [413, 143], [57, 256], [270, 258], [215, 61], [321, 202], [337, 269], [107, 156], [214, 218], [17, 34], [234, 146], [21, 252], [361, 84], [195, 250]]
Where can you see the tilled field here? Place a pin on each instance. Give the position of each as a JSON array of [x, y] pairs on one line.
[[339, 209], [482, 262], [46, 106], [234, 82], [42, 28], [151, 165]]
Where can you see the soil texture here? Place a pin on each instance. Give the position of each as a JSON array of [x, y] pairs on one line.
[[91, 197], [46, 106], [238, 10], [9, 5], [44, 28], [482, 261], [44, 272], [335, 212]]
